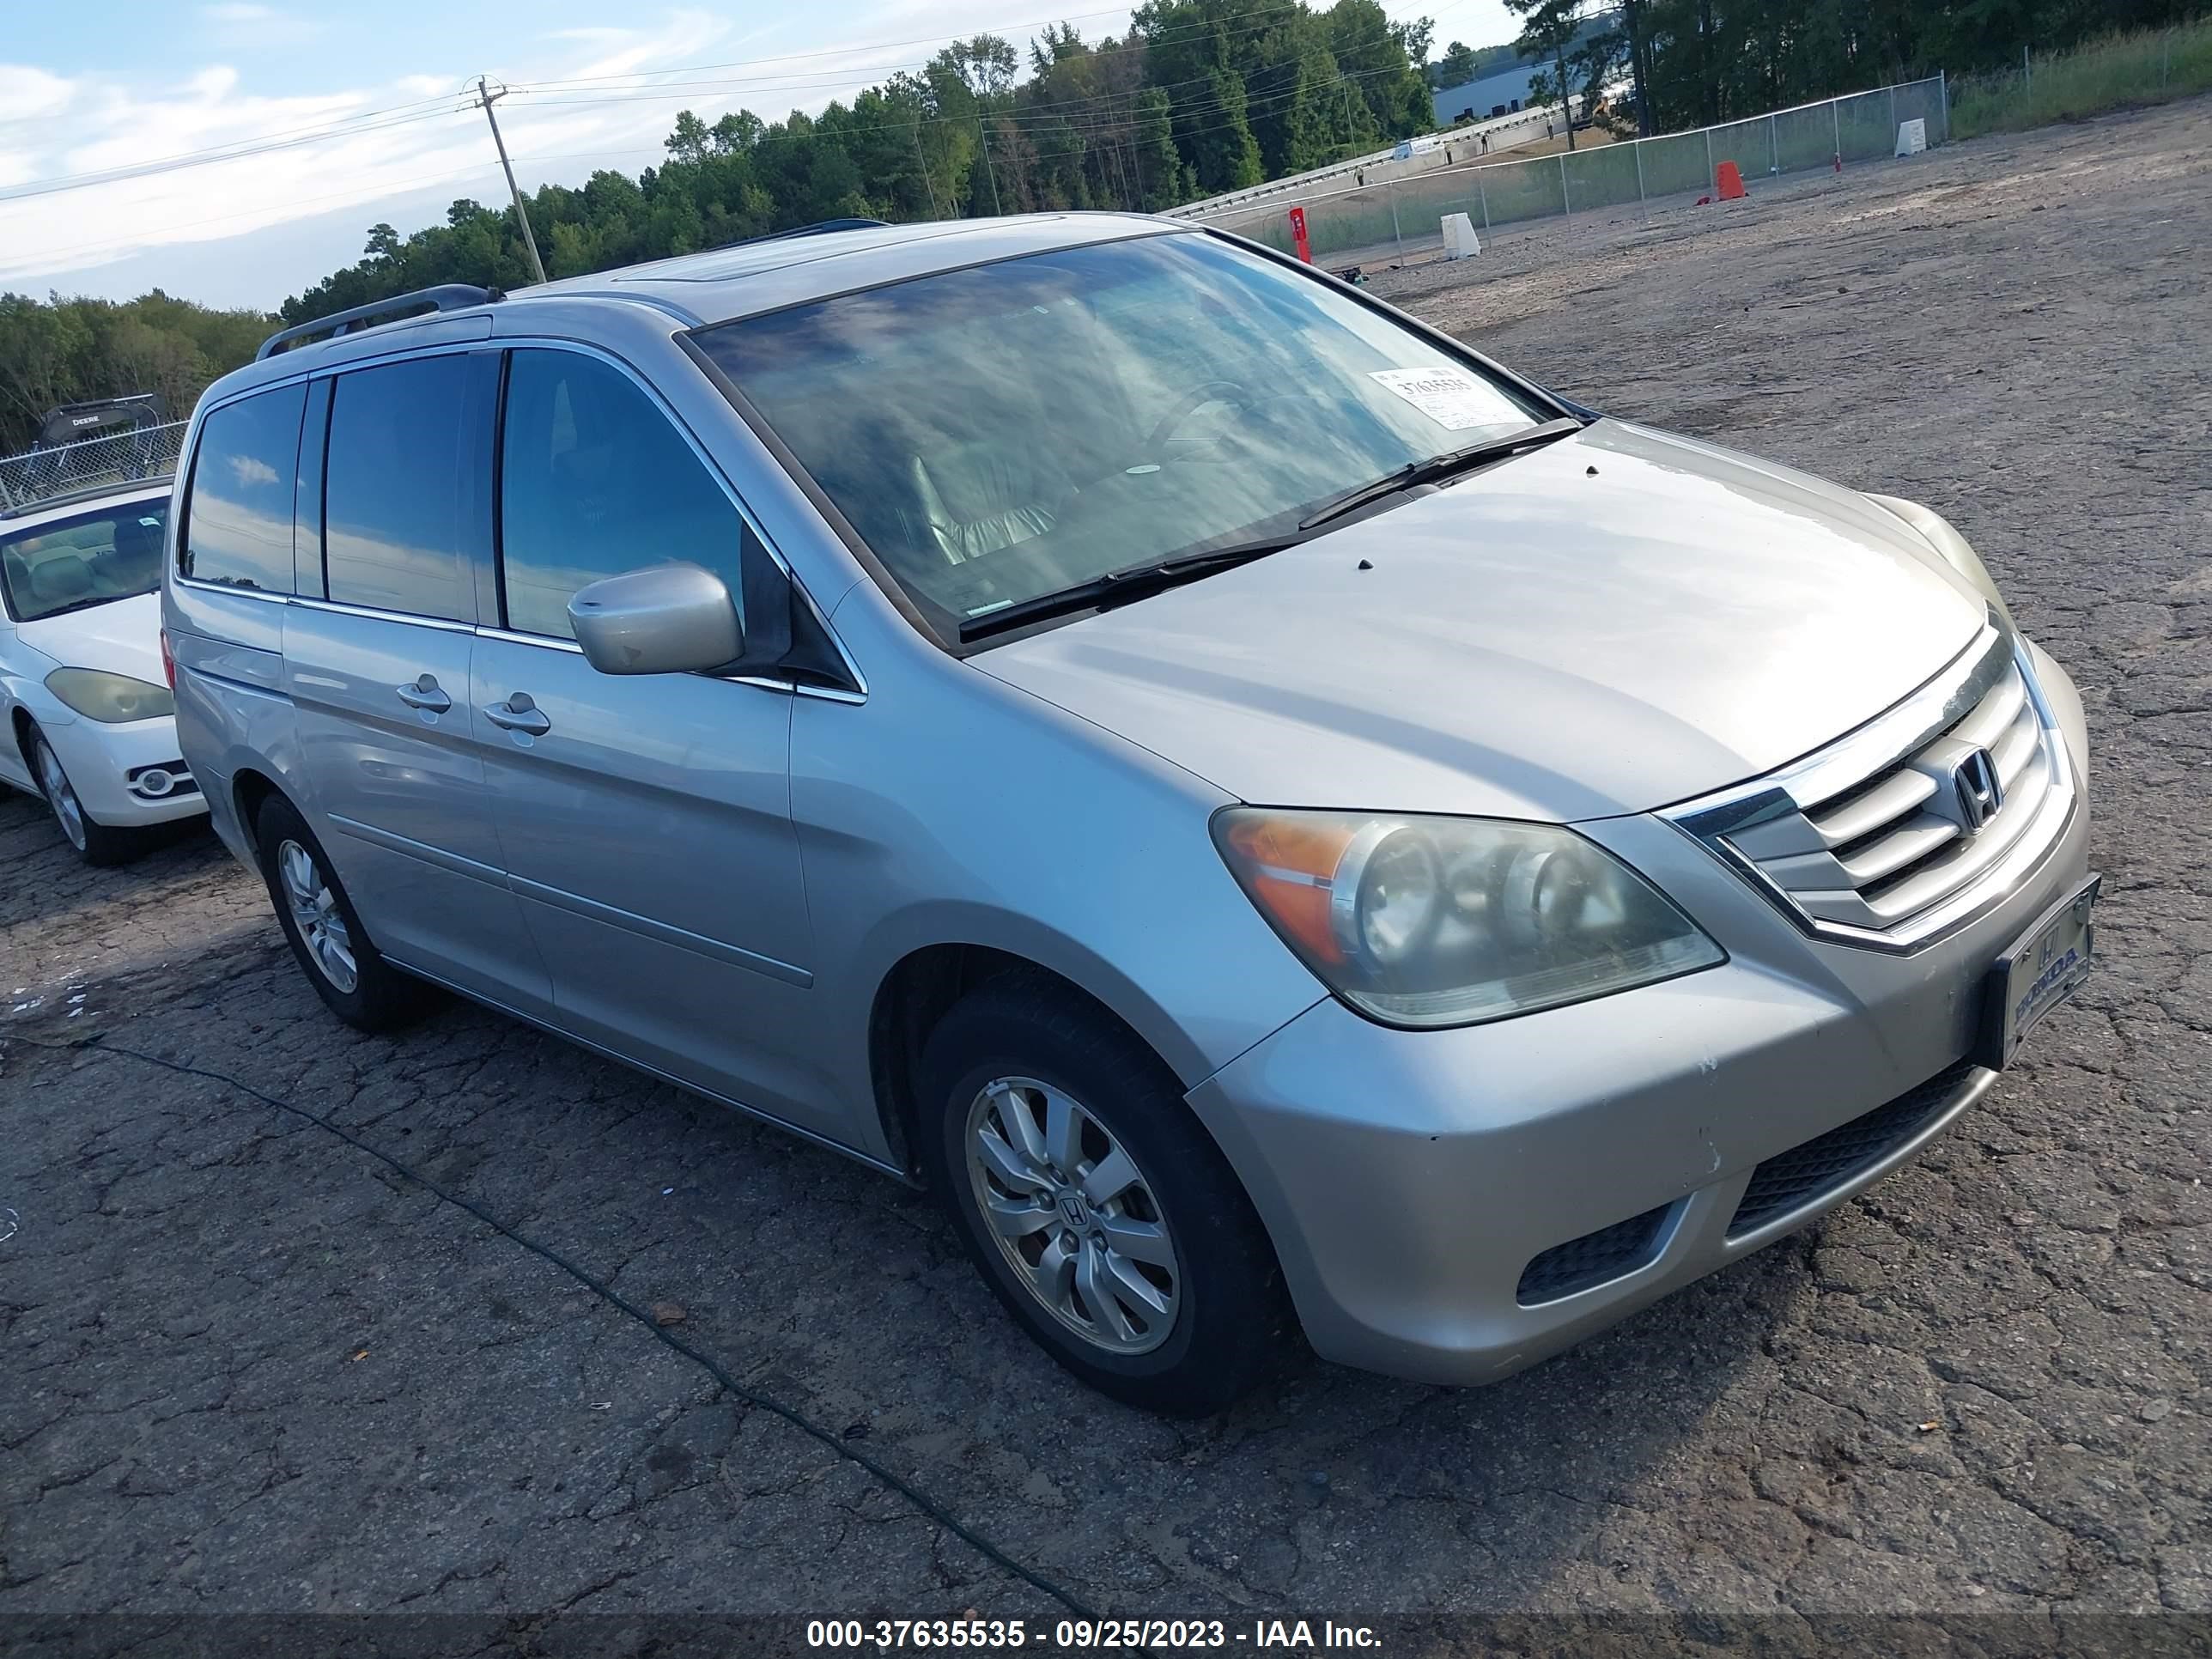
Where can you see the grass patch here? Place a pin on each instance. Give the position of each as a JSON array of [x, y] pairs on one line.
[[2114, 72]]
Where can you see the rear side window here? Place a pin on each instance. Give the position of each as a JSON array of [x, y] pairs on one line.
[[403, 512], [238, 516], [594, 480]]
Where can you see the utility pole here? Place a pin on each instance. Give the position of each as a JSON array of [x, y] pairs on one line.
[[486, 98]]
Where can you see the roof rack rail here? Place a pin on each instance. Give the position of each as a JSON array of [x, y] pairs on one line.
[[826, 225], [446, 296]]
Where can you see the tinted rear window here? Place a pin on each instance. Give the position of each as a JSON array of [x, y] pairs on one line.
[[238, 516], [404, 511]]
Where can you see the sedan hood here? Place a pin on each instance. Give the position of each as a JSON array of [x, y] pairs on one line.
[[123, 636], [1611, 623]]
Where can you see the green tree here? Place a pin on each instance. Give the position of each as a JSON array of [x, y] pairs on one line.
[[1455, 68], [71, 351], [1549, 29]]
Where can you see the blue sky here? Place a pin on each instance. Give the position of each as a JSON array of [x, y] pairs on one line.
[[87, 89]]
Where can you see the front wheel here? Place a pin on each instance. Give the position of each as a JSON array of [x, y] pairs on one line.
[[324, 932], [1094, 1204], [94, 842]]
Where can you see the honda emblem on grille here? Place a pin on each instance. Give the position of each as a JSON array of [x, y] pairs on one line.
[[1980, 791]]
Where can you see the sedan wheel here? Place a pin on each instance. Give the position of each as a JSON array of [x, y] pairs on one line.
[[315, 912], [69, 811]]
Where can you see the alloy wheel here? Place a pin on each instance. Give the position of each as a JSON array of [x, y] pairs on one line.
[[69, 811], [1073, 1215], [315, 912]]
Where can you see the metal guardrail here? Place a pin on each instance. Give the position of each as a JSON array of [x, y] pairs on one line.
[[1429, 150], [1401, 218], [129, 456]]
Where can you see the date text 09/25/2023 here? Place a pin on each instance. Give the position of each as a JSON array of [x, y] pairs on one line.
[[885, 1635]]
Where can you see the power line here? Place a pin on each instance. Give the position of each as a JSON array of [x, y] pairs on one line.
[[1017, 114], [353, 126], [642, 90], [421, 110], [55, 257], [1003, 31]]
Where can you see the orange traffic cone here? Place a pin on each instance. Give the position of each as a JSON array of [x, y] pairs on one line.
[[1730, 181]]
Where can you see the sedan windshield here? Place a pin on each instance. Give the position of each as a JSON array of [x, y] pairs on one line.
[[69, 564], [1014, 429]]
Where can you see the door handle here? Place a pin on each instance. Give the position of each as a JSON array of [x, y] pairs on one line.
[[425, 695], [519, 714]]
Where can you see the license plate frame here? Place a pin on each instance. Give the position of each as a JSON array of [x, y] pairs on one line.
[[2044, 966]]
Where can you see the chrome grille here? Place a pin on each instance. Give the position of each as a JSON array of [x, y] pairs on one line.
[[1892, 834]]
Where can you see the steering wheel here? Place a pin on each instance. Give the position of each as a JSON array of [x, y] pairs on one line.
[[1207, 391]]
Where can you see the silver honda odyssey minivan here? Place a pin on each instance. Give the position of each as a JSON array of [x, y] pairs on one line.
[[1282, 824]]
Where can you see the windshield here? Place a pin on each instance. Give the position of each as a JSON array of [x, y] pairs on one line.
[[67, 564], [1011, 430]]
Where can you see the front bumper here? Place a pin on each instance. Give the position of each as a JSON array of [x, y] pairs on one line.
[[1419, 1187], [104, 762]]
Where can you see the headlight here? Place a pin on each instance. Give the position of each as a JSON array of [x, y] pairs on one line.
[[1940, 534], [1448, 922], [110, 698]]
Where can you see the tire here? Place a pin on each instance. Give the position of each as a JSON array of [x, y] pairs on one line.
[[324, 932], [96, 843], [1217, 1318]]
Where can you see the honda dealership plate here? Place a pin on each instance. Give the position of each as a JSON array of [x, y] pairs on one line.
[[2040, 971]]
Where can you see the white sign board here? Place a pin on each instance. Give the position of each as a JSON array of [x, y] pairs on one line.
[[1912, 136], [1460, 240]]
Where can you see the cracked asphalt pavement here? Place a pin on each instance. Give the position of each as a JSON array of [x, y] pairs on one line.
[[245, 1367]]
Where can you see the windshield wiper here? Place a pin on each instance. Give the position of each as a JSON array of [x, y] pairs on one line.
[[1135, 582], [1438, 467]]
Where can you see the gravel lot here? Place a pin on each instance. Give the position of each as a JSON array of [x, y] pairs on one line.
[[246, 1366]]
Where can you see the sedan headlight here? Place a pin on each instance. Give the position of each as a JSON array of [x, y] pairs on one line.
[[1429, 921], [1940, 534], [111, 699]]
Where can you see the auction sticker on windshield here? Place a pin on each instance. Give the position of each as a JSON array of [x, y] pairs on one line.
[[1452, 398]]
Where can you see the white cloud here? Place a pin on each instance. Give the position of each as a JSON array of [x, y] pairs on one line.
[[414, 135], [396, 138], [628, 52], [31, 94], [244, 25]]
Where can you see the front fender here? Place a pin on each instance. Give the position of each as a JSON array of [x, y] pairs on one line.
[[951, 809]]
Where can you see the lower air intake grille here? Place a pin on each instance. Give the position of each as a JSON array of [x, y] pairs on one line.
[[1592, 1259], [1826, 1162]]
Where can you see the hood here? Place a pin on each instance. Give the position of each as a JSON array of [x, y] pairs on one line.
[[1611, 623], [123, 636]]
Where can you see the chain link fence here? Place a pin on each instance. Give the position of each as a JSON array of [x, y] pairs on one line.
[[1401, 219], [129, 456]]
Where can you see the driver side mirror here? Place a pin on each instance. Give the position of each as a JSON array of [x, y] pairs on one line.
[[664, 619]]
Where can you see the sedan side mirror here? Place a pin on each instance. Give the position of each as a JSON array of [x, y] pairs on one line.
[[664, 619]]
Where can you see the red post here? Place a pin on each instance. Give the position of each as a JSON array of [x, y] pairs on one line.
[[1299, 234]]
